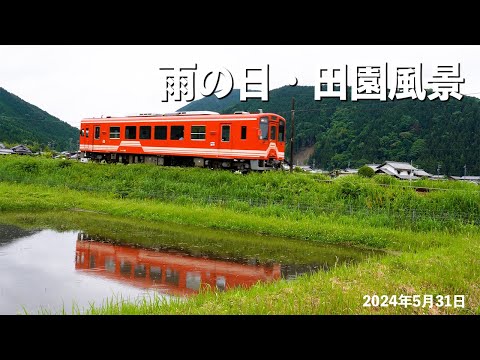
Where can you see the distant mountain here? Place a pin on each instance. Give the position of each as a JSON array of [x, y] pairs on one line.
[[24, 123], [213, 103], [429, 133]]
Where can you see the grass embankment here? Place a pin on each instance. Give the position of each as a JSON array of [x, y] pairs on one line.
[[393, 202], [438, 257]]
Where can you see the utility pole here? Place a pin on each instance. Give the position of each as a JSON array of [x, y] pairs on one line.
[[292, 134], [465, 170]]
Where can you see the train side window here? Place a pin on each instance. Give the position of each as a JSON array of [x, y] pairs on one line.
[[161, 132], [264, 128], [145, 132], [114, 132], [273, 132], [281, 131], [172, 276], [225, 133], [198, 132], [130, 132], [156, 273], [177, 132], [125, 268], [140, 271], [97, 132], [244, 133]]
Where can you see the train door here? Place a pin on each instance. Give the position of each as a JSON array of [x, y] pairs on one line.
[[96, 135], [273, 131], [225, 136], [89, 137]]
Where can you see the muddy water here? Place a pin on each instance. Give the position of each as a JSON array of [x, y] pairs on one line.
[[52, 270]]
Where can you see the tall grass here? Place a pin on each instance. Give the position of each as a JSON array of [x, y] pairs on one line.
[[443, 205]]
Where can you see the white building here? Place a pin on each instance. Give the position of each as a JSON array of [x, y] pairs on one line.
[[401, 170]]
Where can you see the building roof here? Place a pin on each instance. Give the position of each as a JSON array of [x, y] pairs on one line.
[[386, 171], [5, 151], [466, 178], [421, 173], [21, 149], [407, 177], [438, 177], [399, 165]]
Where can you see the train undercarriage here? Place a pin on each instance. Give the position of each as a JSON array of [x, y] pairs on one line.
[[185, 161]]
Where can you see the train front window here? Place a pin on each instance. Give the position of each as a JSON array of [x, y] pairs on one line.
[[281, 131], [273, 132], [264, 128], [130, 132]]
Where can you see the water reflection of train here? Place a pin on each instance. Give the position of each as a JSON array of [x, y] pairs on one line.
[[168, 272]]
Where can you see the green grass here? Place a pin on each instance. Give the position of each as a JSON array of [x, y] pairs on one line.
[[325, 229], [428, 254], [393, 202]]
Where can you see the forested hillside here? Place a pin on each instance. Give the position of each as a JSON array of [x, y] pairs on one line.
[[212, 103], [21, 122], [428, 133]]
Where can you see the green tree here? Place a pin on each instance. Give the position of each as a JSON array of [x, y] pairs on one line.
[[366, 171]]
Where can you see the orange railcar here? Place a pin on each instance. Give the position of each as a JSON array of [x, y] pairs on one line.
[[239, 141], [170, 273]]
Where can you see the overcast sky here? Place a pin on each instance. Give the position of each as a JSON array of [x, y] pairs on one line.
[[73, 82]]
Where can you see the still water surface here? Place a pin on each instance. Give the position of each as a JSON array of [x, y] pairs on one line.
[[51, 270]]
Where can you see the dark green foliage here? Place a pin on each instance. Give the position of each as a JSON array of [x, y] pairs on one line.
[[366, 171], [427, 132], [64, 163], [24, 123], [349, 190]]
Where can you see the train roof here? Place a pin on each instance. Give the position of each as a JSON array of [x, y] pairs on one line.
[[185, 115]]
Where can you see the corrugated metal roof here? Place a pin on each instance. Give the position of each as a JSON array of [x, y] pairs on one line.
[[386, 171], [407, 177], [399, 165], [421, 172]]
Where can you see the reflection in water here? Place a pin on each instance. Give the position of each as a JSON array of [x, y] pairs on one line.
[[169, 272], [61, 270]]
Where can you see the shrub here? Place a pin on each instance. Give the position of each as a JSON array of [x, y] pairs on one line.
[[366, 171]]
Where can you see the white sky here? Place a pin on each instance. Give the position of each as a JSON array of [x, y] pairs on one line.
[[73, 82]]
